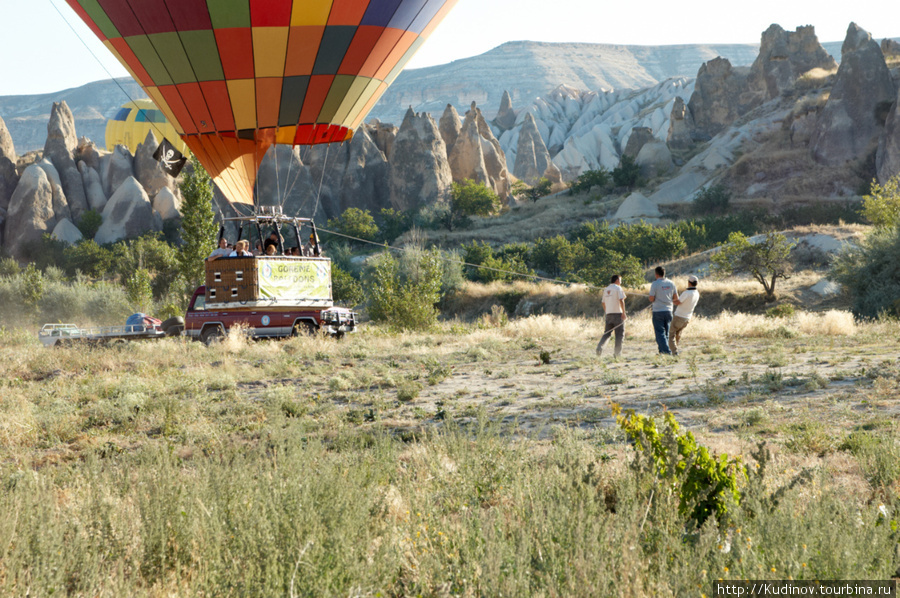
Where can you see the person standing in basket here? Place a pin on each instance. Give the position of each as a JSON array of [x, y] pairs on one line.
[[683, 312], [614, 306], [662, 297]]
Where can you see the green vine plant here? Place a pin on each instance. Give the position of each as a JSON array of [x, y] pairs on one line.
[[705, 484]]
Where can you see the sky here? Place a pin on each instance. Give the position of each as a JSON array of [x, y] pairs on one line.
[[43, 53]]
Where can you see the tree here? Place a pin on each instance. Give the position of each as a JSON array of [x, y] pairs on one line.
[[138, 291], [355, 223], [393, 224], [882, 206], [345, 288], [767, 261], [198, 224], [32, 287], [470, 198], [542, 188], [627, 174]]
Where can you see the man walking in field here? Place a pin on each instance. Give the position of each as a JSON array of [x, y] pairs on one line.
[[614, 306], [662, 298], [684, 309]]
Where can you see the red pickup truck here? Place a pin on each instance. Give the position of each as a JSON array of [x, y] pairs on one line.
[[210, 325]]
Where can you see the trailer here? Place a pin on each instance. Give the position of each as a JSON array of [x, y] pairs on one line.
[[52, 335]]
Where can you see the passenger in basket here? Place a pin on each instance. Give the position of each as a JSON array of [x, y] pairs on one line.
[[221, 251], [272, 241], [270, 250], [313, 249], [257, 249], [241, 249]]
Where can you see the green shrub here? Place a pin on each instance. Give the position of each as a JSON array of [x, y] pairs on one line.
[[88, 258], [712, 200], [404, 292], [704, 484], [589, 179], [868, 271], [785, 310], [9, 267], [627, 174], [90, 223], [346, 289], [881, 206], [393, 223], [355, 223]]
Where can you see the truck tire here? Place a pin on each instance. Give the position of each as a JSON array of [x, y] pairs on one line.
[[212, 335], [304, 328], [173, 321]]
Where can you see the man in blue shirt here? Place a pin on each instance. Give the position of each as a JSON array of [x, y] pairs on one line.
[[662, 298]]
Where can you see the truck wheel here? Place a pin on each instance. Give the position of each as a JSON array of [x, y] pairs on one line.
[[212, 335], [173, 321], [304, 328]]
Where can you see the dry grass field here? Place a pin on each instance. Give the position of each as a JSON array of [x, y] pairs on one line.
[[481, 458]]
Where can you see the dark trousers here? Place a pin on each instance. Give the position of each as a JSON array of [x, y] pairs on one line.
[[661, 322], [614, 323]]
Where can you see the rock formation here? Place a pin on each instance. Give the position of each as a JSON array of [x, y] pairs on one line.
[[60, 150], [66, 232], [849, 126], [36, 206], [655, 159], [383, 135], [475, 153], [115, 169], [127, 214], [887, 159], [784, 57], [450, 126], [9, 178], [532, 158], [717, 98], [506, 116], [638, 138], [681, 123], [167, 204], [419, 173], [147, 169], [93, 187]]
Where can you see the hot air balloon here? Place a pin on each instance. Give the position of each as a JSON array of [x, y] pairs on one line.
[[134, 120], [236, 76]]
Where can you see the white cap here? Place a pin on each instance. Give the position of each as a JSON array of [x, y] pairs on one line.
[[693, 279]]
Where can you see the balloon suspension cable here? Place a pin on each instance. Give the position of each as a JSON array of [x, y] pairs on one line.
[[289, 185], [103, 66], [277, 178], [321, 180]]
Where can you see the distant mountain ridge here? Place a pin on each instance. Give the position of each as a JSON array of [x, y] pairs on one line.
[[526, 69]]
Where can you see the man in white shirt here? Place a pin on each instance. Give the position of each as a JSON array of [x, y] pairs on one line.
[[686, 302], [221, 251], [614, 306]]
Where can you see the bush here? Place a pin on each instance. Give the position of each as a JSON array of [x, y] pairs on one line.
[[404, 292], [521, 190], [712, 200], [785, 310], [644, 241], [90, 223], [869, 272], [346, 290], [705, 485], [602, 263], [627, 174], [881, 206], [393, 223], [589, 179], [487, 267]]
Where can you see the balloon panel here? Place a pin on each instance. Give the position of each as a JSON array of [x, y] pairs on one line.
[[134, 120], [261, 71]]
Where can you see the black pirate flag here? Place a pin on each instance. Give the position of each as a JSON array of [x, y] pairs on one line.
[[171, 160]]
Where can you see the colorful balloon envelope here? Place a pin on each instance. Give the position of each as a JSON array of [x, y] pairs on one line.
[[236, 76]]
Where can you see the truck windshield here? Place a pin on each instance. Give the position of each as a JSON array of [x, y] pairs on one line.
[[200, 303]]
